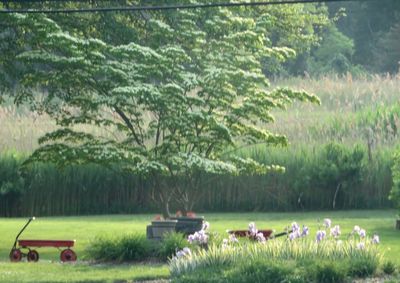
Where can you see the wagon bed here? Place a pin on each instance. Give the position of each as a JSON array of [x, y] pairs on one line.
[[16, 253], [46, 243]]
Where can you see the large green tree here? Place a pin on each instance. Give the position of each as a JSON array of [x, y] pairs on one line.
[[187, 89]]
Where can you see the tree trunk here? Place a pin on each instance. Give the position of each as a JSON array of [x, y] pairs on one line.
[[166, 212], [398, 224], [335, 196]]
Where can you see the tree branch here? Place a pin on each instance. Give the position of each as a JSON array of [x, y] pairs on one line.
[[129, 125]]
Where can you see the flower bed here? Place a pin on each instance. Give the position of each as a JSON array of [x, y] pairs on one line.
[[328, 256]]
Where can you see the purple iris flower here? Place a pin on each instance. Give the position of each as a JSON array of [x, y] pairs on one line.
[[362, 233], [295, 227], [320, 235], [305, 231]]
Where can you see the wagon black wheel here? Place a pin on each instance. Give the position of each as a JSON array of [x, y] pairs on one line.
[[15, 255], [68, 255], [33, 256]]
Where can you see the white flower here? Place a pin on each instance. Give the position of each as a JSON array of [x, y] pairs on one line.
[[225, 243], [260, 237], [361, 246], [375, 239], [233, 239], [199, 237], [206, 226], [183, 253], [252, 229], [335, 231], [327, 223], [191, 238], [356, 229], [187, 251]]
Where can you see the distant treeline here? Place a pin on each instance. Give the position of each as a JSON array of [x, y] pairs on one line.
[[330, 176], [361, 38]]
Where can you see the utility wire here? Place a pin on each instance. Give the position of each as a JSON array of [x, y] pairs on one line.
[[167, 7]]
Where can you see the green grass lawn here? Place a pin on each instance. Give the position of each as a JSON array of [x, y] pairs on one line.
[[84, 229]]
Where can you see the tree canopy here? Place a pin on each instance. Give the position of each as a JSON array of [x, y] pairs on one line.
[[185, 89]]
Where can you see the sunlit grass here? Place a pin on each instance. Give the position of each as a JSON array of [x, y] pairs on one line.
[[83, 229]]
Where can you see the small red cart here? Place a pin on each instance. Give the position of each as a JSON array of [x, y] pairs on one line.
[[16, 253], [268, 234]]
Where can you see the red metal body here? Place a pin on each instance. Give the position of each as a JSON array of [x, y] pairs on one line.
[[245, 233], [46, 243]]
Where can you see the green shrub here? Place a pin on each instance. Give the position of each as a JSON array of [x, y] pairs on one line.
[[209, 275], [330, 272], [362, 267], [171, 244], [129, 247], [261, 271], [388, 267], [12, 185], [395, 192]]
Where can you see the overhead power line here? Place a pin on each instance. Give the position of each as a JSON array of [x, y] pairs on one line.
[[162, 7]]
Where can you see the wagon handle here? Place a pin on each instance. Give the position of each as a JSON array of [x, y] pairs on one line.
[[22, 230], [283, 234]]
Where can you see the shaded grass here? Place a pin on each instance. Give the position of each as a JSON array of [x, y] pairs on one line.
[[82, 272]]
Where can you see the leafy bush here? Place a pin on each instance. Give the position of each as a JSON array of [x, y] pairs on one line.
[[395, 192], [389, 267], [170, 244], [12, 185], [261, 271], [330, 272], [129, 247], [363, 267], [210, 275]]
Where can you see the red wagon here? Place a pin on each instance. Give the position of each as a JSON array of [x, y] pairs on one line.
[[16, 254], [268, 234]]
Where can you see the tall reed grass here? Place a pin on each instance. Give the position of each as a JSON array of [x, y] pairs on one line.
[[92, 189], [362, 111]]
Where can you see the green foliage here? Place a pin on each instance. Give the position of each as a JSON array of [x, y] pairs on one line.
[[276, 262], [170, 244], [340, 166], [395, 192], [12, 185], [261, 271], [304, 253], [389, 267], [176, 105], [363, 267], [104, 191], [334, 53], [367, 26], [330, 272], [129, 247], [389, 51]]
